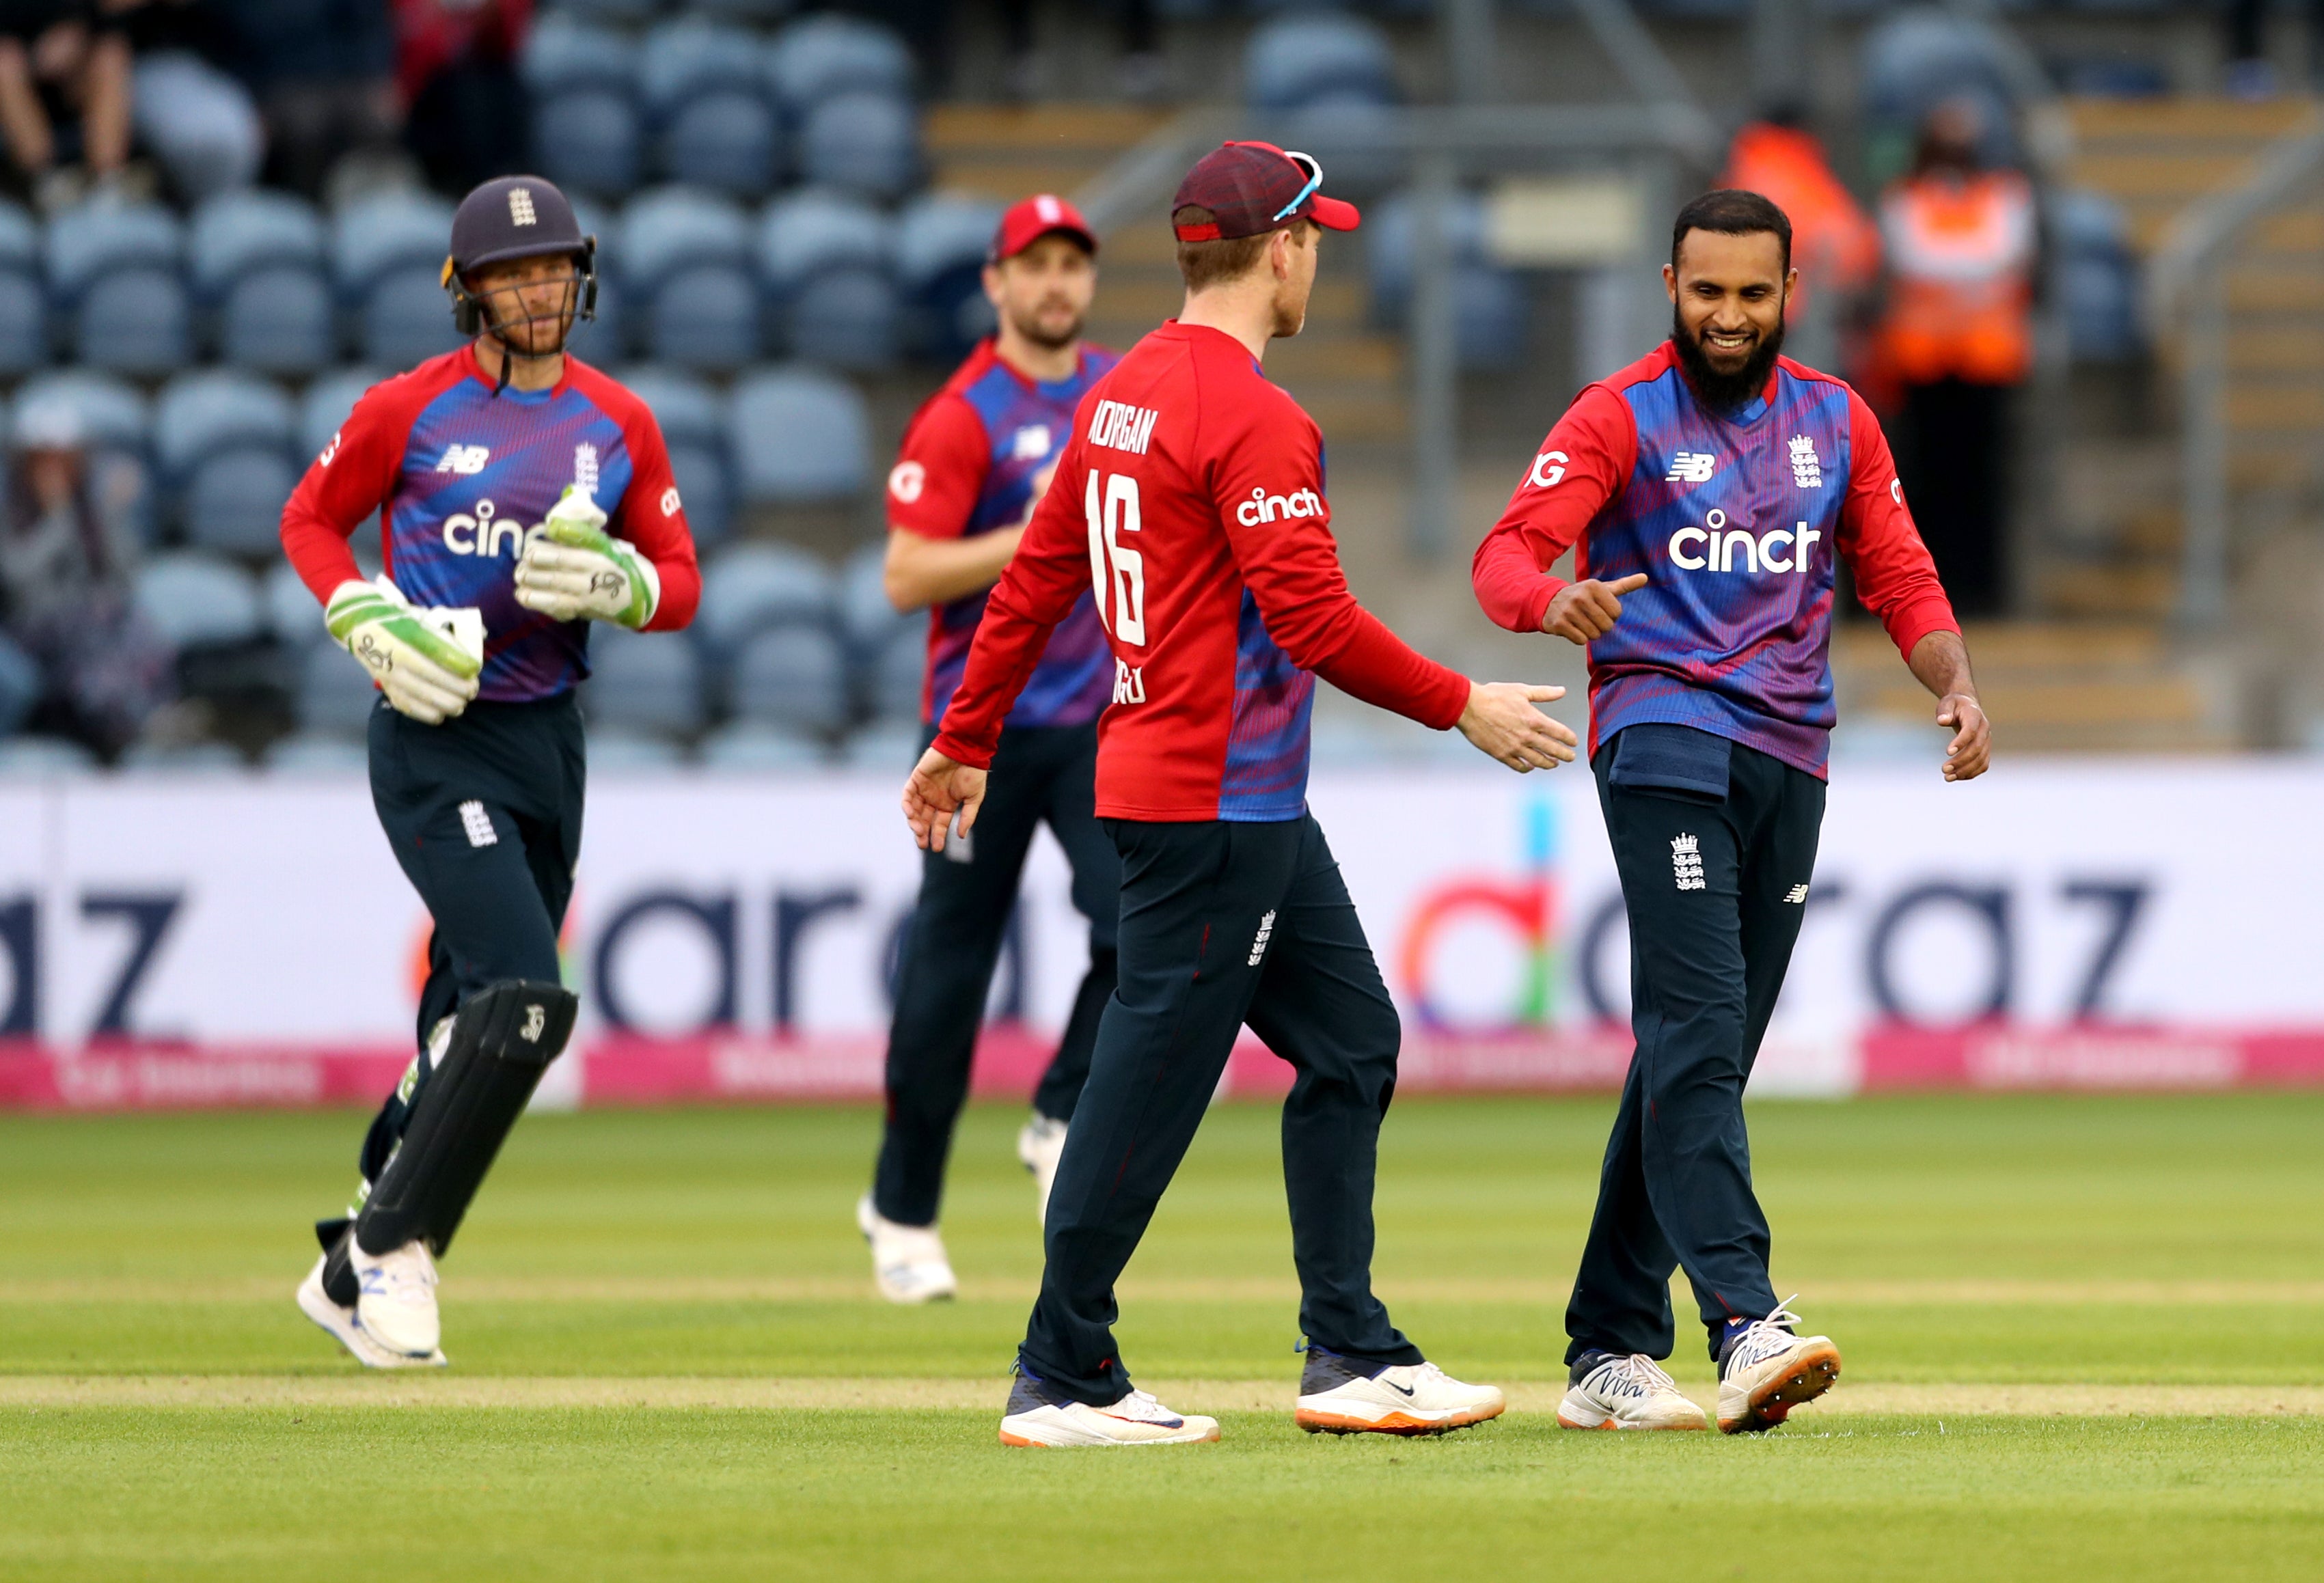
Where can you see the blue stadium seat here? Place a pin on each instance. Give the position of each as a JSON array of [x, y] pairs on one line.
[[941, 241], [603, 340], [1914, 61], [259, 266], [646, 682], [754, 587], [693, 420], [863, 142], [113, 416], [610, 12], [705, 89], [753, 14], [327, 403], [388, 255], [686, 260], [178, 760], [293, 616], [587, 135], [2101, 276], [113, 270], [825, 260], [1489, 305], [799, 438], [198, 123], [23, 305], [865, 616], [225, 443], [746, 748], [335, 696], [1295, 61], [1354, 139], [198, 601], [890, 747], [791, 677], [896, 676], [818, 58]]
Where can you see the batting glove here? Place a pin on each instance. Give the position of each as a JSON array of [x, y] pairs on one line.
[[426, 661], [572, 571]]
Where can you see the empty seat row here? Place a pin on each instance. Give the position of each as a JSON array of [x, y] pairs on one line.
[[225, 448], [265, 281], [703, 102]]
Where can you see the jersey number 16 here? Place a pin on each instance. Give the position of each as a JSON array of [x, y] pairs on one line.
[[1108, 522]]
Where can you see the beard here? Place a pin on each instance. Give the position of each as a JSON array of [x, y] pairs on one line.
[[1724, 392], [1051, 333]]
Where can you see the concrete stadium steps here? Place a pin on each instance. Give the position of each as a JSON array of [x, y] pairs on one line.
[[2053, 688], [1349, 374], [2156, 156]]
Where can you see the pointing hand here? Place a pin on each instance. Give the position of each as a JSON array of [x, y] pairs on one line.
[[1589, 608]]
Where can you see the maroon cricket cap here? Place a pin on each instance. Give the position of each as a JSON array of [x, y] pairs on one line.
[[1031, 218], [1255, 188]]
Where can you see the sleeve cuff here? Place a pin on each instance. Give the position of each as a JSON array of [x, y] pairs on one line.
[[962, 752], [1537, 604], [1917, 620]]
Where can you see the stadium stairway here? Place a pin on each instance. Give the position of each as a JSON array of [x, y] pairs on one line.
[[1347, 373]]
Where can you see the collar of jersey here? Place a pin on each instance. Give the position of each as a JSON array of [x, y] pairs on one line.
[[1054, 389], [511, 393]]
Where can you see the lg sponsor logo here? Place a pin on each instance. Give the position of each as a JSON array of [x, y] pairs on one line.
[[1713, 547]]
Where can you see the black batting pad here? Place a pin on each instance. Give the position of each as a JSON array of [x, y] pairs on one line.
[[502, 1039]]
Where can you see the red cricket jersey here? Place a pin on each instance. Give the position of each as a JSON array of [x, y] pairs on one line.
[[1191, 498], [1740, 520], [461, 474]]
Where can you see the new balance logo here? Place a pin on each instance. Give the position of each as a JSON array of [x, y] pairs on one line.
[[520, 209], [1258, 942], [478, 825], [1121, 427], [1690, 467], [1797, 896], [1686, 862], [1129, 683], [467, 461], [1807, 470], [1031, 443]]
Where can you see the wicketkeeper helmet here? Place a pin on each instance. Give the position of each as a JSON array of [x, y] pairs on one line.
[[509, 217]]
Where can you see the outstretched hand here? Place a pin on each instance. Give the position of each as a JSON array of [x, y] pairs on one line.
[[1971, 749], [1580, 611], [1503, 725], [939, 788]]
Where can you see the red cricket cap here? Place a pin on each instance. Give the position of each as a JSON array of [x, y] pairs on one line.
[[1255, 188], [1030, 219]]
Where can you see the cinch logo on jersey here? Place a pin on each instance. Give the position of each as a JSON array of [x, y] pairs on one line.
[[1122, 427], [1263, 507], [1690, 467], [467, 461], [479, 534], [1713, 549]]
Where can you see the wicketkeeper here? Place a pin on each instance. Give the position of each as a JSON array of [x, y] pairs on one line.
[[522, 496], [1710, 492]]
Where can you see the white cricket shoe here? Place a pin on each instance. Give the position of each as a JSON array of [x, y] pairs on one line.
[[1341, 1395], [396, 1309], [1038, 1416], [347, 1328], [1768, 1371], [1629, 1393], [1041, 1143], [908, 1261]]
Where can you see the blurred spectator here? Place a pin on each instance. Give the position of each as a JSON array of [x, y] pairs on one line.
[[2251, 75], [66, 568], [1142, 74], [465, 112], [1958, 338], [1835, 245], [64, 94], [189, 112], [324, 74]]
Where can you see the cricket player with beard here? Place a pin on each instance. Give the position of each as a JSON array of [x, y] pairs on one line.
[[973, 462], [1190, 500], [522, 496], [1710, 492]]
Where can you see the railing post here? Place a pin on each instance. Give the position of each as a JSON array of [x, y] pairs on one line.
[[2203, 549], [1434, 350], [1470, 50]]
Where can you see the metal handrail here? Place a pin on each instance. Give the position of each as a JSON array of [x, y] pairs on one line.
[[2187, 274]]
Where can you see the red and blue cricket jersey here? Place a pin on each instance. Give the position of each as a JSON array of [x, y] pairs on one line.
[[460, 475], [1740, 522], [967, 467], [1190, 502]]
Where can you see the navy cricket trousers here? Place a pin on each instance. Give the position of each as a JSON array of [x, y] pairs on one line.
[[1715, 888], [1039, 774], [1224, 925], [483, 812]]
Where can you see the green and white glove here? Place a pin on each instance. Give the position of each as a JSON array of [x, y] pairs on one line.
[[426, 661], [572, 571]]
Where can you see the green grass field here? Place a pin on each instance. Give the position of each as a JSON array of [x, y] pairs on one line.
[[2082, 1340]]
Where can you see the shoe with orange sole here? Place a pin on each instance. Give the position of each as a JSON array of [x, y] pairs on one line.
[[1768, 1371], [1346, 1396], [1039, 1415]]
